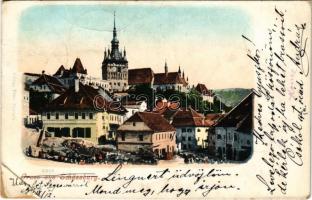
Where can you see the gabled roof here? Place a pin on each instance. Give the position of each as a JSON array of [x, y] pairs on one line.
[[213, 118], [238, 113], [140, 76], [245, 125], [85, 99], [202, 89], [169, 78], [53, 83], [62, 72], [154, 121], [78, 67], [189, 117]]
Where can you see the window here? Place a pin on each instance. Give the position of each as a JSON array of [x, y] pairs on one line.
[[183, 130], [56, 115], [123, 136], [90, 115], [219, 137], [88, 132], [248, 142], [76, 115], [50, 129], [189, 130], [184, 146], [133, 123], [198, 130], [83, 115], [66, 115], [48, 116], [235, 137], [189, 138], [183, 138], [141, 137]]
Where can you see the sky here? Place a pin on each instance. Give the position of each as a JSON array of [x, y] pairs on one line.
[[205, 40]]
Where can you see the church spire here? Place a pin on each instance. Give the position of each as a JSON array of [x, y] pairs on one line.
[[115, 42], [114, 31], [179, 71], [166, 68]]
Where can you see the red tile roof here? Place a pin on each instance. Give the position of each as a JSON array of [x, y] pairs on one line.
[[169, 78], [154, 121], [202, 89], [86, 98], [140, 76], [189, 117], [53, 83]]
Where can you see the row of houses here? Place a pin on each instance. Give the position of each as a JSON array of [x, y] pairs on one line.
[[80, 113], [224, 136]]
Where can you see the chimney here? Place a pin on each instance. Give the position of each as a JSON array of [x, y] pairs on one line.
[[76, 84]]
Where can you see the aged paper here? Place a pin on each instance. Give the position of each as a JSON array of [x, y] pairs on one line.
[[155, 100]]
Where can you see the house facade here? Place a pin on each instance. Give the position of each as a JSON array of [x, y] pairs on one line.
[[192, 129], [149, 131], [231, 137], [73, 114]]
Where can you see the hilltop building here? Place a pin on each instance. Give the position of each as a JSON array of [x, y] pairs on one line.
[[67, 76], [206, 94]]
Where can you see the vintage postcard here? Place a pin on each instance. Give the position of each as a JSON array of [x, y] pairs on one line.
[[157, 100]]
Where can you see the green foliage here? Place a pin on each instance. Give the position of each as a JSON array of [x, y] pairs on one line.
[[233, 96]]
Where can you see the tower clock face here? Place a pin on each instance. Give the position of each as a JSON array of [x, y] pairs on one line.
[[114, 69]]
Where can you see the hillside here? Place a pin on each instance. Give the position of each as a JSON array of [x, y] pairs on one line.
[[231, 96]]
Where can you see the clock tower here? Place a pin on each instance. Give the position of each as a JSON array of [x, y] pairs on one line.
[[115, 65]]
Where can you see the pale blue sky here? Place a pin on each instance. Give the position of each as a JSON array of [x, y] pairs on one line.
[[144, 29]]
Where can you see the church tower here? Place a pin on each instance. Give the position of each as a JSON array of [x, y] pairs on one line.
[[115, 65]]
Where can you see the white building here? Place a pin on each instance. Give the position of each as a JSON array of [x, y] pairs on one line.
[[192, 129], [133, 107], [206, 94]]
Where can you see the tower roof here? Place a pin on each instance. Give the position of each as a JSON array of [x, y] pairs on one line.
[[78, 67]]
